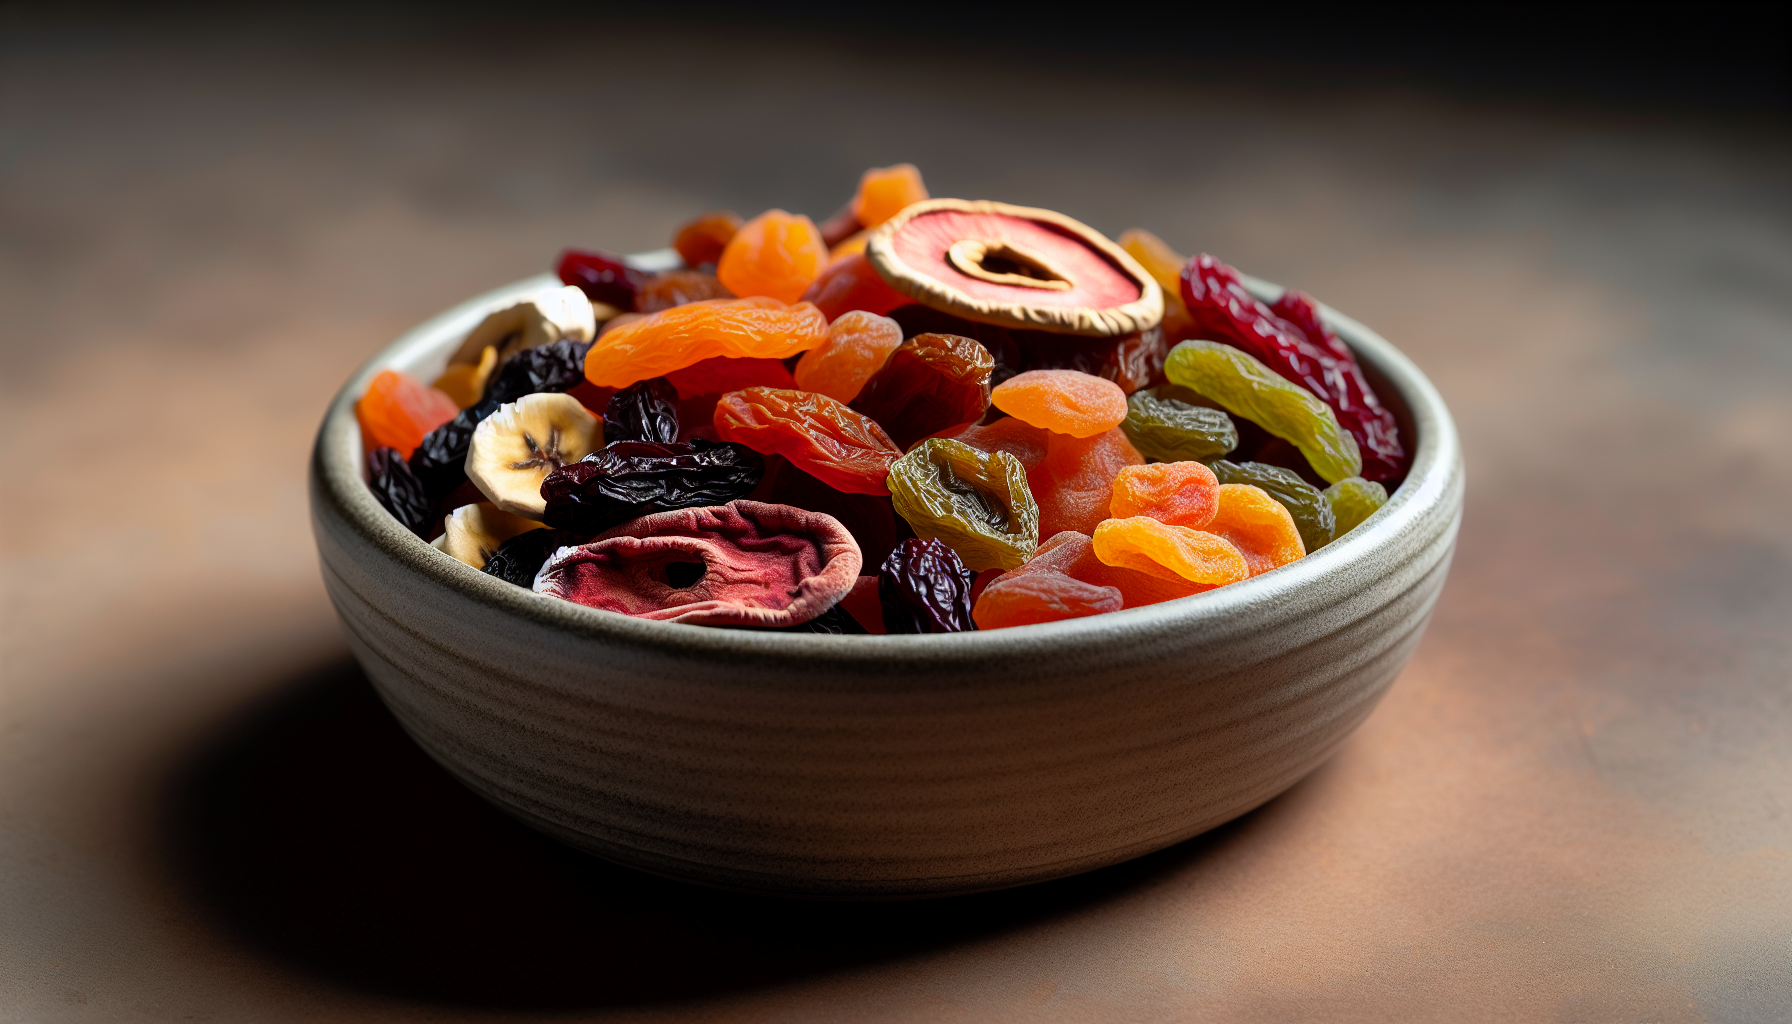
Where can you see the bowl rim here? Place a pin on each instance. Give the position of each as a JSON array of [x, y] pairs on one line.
[[338, 486]]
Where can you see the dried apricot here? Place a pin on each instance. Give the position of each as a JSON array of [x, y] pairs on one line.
[[1018, 599], [679, 337], [844, 449], [702, 239], [775, 254], [723, 374], [398, 409], [1073, 554], [1178, 493], [1257, 526], [857, 346], [1170, 552], [1071, 478], [850, 283], [1062, 401], [885, 192]]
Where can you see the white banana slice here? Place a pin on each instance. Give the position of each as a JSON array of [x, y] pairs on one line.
[[524, 441], [473, 532], [547, 316]]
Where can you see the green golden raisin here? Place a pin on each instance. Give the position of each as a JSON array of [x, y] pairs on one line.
[[976, 502], [1245, 387], [1353, 501], [1311, 510], [1171, 430]]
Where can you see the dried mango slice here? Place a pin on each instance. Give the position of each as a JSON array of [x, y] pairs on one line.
[[1170, 552], [1245, 387], [657, 345]]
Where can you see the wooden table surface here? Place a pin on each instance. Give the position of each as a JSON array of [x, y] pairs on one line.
[[1576, 803]]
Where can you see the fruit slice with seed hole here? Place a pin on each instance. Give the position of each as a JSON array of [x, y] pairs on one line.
[[550, 315], [516, 447]]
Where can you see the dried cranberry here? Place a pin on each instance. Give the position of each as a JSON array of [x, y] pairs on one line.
[[647, 411], [925, 588], [629, 479], [520, 558], [555, 367], [390, 478], [604, 278]]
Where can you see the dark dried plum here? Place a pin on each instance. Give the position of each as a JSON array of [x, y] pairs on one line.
[[629, 479], [390, 478], [925, 588], [555, 367], [603, 277], [440, 461], [647, 411], [518, 559]]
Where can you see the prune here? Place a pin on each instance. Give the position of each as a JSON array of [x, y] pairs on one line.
[[1311, 509], [1174, 431], [647, 411], [602, 277], [628, 479], [520, 558], [931, 382], [440, 462], [975, 501], [399, 491], [555, 367], [925, 588]]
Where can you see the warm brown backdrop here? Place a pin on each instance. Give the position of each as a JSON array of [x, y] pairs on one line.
[[1576, 804]]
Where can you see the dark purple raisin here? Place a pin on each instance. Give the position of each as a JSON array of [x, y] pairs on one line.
[[398, 489], [440, 462], [628, 479], [556, 367], [518, 559], [603, 277], [647, 411], [925, 588], [998, 341]]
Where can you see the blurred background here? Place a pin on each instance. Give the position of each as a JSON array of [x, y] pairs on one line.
[[1575, 804]]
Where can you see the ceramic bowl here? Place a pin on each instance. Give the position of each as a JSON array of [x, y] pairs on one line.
[[868, 767]]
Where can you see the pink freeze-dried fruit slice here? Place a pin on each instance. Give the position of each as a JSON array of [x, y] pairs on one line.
[[745, 563]]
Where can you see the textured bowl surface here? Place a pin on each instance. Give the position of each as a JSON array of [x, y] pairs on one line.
[[883, 766]]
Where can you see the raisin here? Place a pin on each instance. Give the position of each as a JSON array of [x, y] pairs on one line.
[[676, 288], [916, 319], [925, 588], [826, 439], [602, 277], [628, 479], [975, 501], [1354, 500], [702, 239], [1132, 361], [647, 411], [1175, 431], [519, 559], [440, 461], [1311, 509], [555, 367], [930, 383], [401, 493], [1245, 387]]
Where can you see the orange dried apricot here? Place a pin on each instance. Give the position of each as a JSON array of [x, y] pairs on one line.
[[1170, 552], [398, 409], [702, 239], [722, 374], [851, 283], [858, 343], [1022, 599], [1062, 401], [775, 254], [656, 345], [1258, 526], [1072, 478], [1178, 493], [885, 191], [1073, 554]]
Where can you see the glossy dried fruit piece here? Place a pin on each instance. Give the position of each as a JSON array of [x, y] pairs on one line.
[[659, 345], [517, 446], [858, 345], [555, 367], [1071, 478], [647, 411], [397, 410], [1353, 501], [1017, 600], [1311, 509], [473, 533], [1073, 554], [885, 192], [390, 479], [518, 561], [1132, 361], [702, 239], [677, 288], [1258, 525], [739, 564], [1170, 552], [1171, 430], [1062, 401], [1163, 263], [931, 382], [603, 277], [924, 587], [440, 461], [465, 382], [846, 450], [977, 502], [1247, 388], [629, 479], [849, 283], [863, 603], [1177, 493], [775, 254]]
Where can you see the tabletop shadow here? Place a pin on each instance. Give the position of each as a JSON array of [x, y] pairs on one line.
[[319, 832]]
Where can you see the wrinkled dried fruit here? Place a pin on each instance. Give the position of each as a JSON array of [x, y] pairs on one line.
[[702, 239], [440, 461], [1132, 361], [516, 447], [628, 479], [977, 502], [1247, 388], [1175, 431], [739, 564], [1062, 401], [1311, 509], [399, 492], [858, 345], [885, 192], [647, 411], [1158, 549], [1177, 493], [397, 410], [554, 367], [846, 450], [1073, 554], [833, 622], [1258, 525], [1353, 501], [519, 559], [924, 587], [682, 336], [850, 283], [931, 382], [676, 288], [1024, 600], [1071, 478], [602, 277], [775, 254]]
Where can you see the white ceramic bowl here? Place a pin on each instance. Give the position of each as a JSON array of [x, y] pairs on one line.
[[883, 766]]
